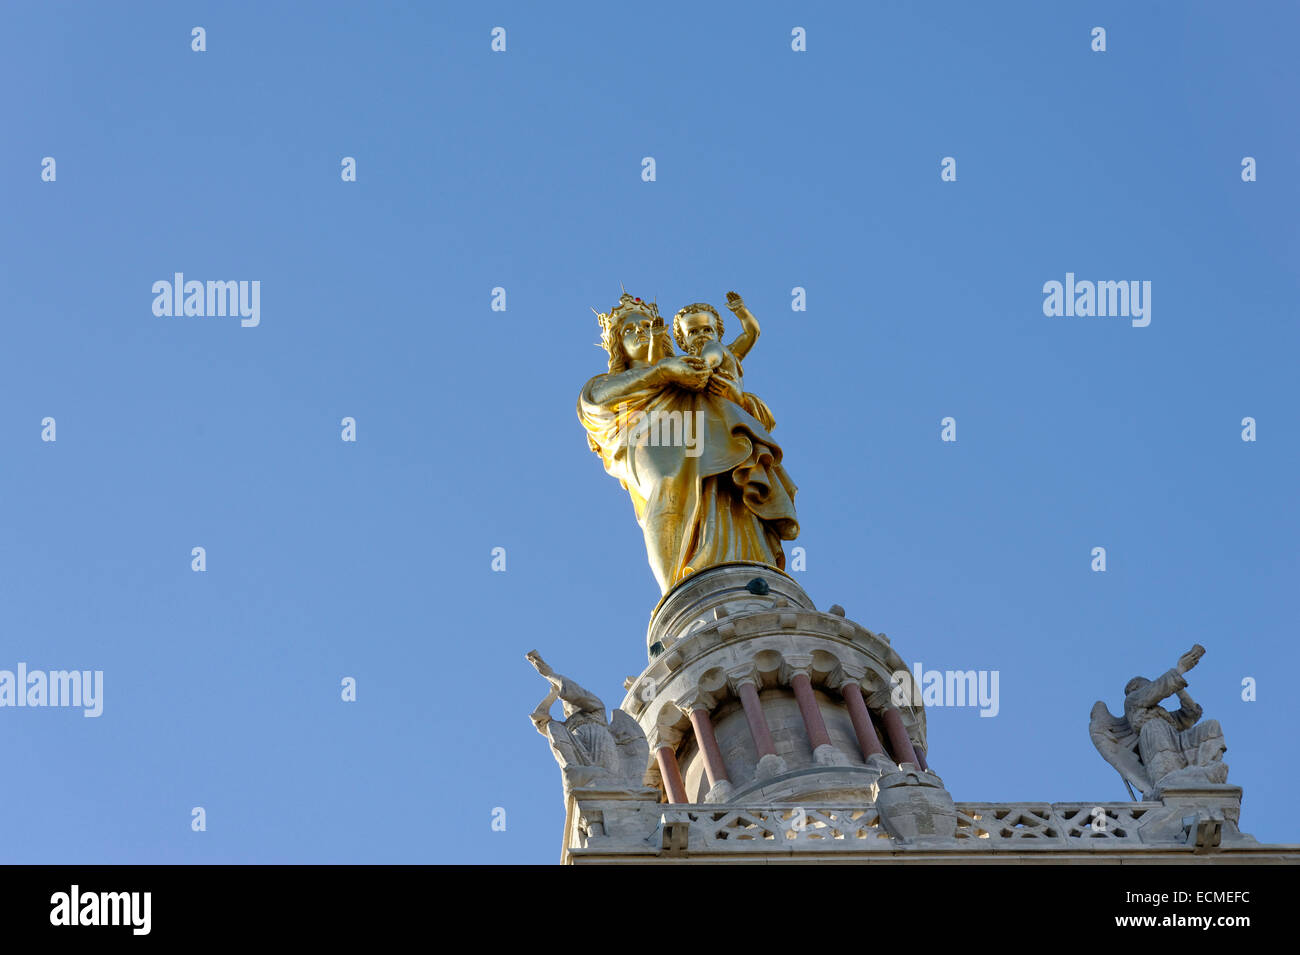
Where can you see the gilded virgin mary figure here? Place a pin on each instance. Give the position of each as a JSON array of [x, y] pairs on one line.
[[693, 450]]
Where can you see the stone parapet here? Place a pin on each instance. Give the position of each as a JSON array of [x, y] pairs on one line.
[[1106, 833]]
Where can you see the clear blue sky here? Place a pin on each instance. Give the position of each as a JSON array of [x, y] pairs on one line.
[[523, 170]]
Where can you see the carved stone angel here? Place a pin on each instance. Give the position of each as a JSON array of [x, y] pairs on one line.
[[592, 752], [1154, 748]]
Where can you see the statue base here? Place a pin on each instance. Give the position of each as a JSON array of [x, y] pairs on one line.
[[1205, 816]]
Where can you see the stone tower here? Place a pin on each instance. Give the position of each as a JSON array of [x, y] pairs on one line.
[[754, 695], [775, 734]]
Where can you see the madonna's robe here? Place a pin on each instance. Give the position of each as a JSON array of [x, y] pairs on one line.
[[726, 499]]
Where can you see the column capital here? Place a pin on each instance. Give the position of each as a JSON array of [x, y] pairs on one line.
[[847, 673], [796, 664], [744, 673], [696, 699], [660, 736], [881, 700]]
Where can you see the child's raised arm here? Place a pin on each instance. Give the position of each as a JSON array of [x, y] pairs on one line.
[[748, 324]]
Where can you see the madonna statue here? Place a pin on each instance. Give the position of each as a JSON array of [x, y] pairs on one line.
[[692, 449]]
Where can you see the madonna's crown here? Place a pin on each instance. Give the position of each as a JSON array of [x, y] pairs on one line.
[[627, 305]]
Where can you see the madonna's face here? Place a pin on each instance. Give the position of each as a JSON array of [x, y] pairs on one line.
[[636, 337]]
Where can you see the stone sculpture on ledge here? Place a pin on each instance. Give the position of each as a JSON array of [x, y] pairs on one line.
[[592, 752], [1154, 748]]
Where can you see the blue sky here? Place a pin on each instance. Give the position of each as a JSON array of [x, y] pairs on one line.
[[522, 169]]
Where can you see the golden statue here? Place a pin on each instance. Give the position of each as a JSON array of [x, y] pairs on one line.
[[690, 446]]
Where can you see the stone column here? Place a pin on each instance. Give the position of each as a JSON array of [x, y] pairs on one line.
[[666, 757], [744, 682], [824, 752], [899, 742], [697, 708], [868, 741]]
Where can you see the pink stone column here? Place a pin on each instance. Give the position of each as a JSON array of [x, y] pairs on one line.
[[812, 715], [714, 767], [920, 755], [757, 721], [898, 740], [671, 773], [868, 741], [879, 727]]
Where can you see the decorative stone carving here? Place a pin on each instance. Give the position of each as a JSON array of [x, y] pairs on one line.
[[593, 753], [769, 766], [913, 804], [776, 831], [1154, 748]]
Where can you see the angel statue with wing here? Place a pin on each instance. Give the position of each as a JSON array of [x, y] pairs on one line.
[[592, 752], [1154, 748]]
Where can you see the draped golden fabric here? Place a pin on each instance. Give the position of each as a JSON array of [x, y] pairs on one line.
[[726, 499]]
